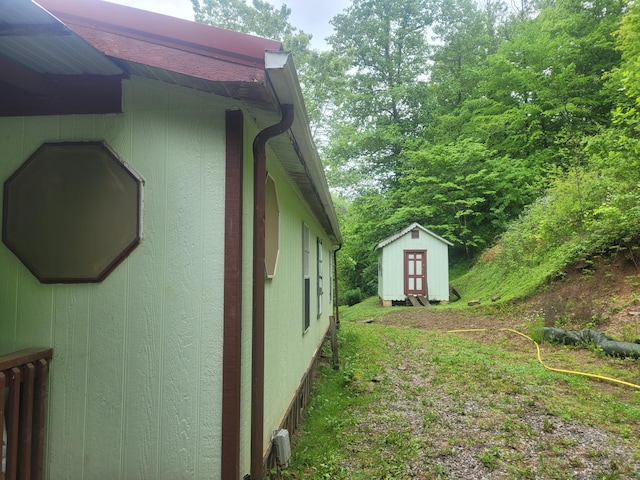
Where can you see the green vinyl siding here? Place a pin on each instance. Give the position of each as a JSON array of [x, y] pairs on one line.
[[134, 389], [289, 349]]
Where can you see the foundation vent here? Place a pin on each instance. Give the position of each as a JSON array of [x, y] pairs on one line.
[[282, 446]]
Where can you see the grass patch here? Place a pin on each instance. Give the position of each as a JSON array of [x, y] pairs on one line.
[[414, 403], [488, 279], [368, 309]]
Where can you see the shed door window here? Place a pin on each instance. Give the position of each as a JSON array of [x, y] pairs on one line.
[[306, 276], [320, 286]]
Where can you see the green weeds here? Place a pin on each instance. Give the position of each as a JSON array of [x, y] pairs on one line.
[[409, 403]]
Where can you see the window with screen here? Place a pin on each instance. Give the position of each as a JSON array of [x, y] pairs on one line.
[[306, 276]]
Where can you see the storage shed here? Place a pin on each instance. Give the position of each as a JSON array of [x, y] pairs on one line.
[[413, 264]]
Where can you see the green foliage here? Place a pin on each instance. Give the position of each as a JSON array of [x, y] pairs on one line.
[[584, 213], [522, 151], [469, 190], [513, 132], [357, 425], [260, 18], [379, 103], [351, 297]]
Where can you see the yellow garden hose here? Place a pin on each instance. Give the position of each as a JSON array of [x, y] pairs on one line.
[[552, 369]]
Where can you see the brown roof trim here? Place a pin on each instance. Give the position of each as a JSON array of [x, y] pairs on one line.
[[167, 58], [163, 30], [61, 95]]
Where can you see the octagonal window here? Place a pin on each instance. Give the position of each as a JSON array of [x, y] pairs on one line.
[[72, 212]]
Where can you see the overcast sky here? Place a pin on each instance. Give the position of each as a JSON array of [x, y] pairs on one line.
[[312, 16]]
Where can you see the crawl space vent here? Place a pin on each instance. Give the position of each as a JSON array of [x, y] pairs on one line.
[[283, 446]]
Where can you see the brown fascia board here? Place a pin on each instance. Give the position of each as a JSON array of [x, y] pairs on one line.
[[64, 95], [22, 77], [161, 30], [24, 92]]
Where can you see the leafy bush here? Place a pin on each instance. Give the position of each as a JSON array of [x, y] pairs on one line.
[[351, 297]]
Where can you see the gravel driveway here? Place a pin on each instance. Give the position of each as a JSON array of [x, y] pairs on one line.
[[438, 429]]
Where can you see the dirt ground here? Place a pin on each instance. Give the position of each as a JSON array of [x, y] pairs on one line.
[[472, 436], [604, 295]]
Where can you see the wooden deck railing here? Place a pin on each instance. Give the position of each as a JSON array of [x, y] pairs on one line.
[[23, 377]]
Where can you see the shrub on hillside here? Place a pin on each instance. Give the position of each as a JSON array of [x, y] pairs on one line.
[[351, 297]]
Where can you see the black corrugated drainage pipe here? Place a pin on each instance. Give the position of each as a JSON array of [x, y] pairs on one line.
[[257, 331]]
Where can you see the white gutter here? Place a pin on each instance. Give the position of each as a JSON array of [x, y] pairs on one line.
[[284, 79]]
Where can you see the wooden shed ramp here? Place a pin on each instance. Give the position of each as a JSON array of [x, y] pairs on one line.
[[423, 300], [418, 300], [414, 301]]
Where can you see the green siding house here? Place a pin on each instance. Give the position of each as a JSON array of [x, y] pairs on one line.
[[168, 243]]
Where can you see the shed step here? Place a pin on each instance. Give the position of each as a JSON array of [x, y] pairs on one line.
[[414, 301], [423, 300]]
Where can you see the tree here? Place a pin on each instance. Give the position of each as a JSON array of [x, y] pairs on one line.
[[464, 192], [467, 36], [379, 108], [625, 79], [544, 87], [261, 18], [363, 225], [317, 71], [615, 153]]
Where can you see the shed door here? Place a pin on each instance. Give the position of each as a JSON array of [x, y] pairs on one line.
[[415, 272]]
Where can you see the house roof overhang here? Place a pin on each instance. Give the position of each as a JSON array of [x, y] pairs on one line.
[[46, 68], [296, 150], [172, 50], [404, 231], [53, 49]]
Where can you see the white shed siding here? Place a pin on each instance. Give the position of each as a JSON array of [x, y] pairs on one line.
[[380, 277], [135, 383], [391, 266]]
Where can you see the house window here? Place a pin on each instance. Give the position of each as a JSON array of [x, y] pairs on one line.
[[415, 233], [272, 227], [306, 276], [72, 212], [320, 286]]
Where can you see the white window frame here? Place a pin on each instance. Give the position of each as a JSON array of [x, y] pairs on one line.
[[319, 274], [306, 278]]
